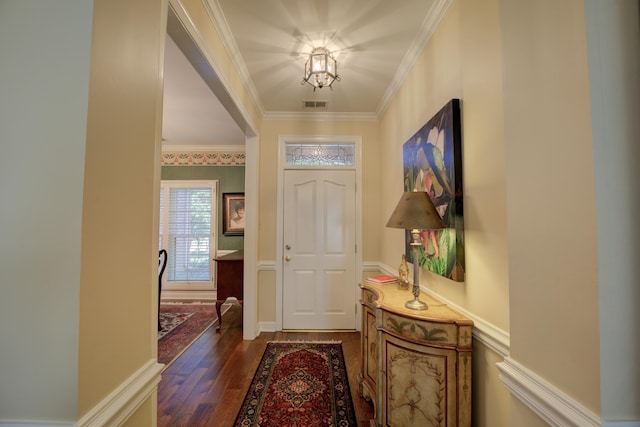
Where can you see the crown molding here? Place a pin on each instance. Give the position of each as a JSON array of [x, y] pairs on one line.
[[429, 26], [204, 148], [222, 26], [322, 116]]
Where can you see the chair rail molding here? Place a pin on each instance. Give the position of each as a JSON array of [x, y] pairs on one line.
[[548, 402], [114, 409], [121, 403]]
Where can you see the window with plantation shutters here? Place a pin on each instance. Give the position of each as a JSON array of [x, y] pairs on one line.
[[187, 220]]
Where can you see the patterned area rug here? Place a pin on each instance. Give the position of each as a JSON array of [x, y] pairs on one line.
[[299, 384], [180, 326]]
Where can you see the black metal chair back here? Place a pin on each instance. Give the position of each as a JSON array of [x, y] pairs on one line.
[[162, 264]]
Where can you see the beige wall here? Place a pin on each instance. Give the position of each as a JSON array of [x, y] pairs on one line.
[[120, 218], [266, 294], [541, 264], [490, 404], [549, 153], [462, 60], [141, 417]]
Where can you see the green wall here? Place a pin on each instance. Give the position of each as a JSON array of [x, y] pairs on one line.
[[230, 179]]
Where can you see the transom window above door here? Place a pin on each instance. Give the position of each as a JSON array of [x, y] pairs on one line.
[[322, 154]]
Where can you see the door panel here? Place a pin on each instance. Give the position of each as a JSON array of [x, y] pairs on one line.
[[319, 242]]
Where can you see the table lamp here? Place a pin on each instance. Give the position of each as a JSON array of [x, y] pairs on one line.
[[415, 212]]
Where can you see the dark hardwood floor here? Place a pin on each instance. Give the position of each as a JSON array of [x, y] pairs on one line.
[[206, 385]]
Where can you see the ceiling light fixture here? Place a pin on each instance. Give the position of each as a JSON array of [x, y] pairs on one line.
[[321, 69]]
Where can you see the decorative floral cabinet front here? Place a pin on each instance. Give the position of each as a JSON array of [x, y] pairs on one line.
[[416, 365], [370, 372]]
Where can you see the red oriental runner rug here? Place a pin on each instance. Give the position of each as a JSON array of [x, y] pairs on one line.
[[180, 326], [299, 384]]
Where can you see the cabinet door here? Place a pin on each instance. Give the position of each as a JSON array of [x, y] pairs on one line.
[[419, 388], [370, 350]]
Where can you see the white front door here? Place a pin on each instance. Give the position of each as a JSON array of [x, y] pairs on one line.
[[319, 249]]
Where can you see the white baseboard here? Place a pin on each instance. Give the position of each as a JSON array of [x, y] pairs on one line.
[[266, 327], [31, 423], [120, 404], [188, 296], [548, 402], [635, 423]]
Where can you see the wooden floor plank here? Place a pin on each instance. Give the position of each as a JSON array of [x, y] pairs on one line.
[[206, 385]]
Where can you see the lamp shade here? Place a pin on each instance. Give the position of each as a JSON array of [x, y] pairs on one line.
[[415, 210]]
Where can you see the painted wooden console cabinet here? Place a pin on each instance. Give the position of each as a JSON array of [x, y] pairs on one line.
[[416, 365]]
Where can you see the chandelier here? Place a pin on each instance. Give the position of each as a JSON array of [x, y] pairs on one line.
[[321, 69]]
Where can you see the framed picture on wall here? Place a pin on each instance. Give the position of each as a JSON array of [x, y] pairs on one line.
[[432, 160], [233, 214]]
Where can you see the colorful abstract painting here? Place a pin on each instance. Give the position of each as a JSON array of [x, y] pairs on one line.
[[433, 163]]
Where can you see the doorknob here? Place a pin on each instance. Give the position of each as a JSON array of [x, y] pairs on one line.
[[287, 258]]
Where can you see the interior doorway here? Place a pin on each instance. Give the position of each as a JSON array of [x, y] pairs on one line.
[[181, 30]]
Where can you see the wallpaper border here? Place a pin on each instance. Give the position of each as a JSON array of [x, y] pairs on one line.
[[203, 158]]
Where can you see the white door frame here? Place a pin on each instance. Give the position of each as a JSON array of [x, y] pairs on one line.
[[319, 139]]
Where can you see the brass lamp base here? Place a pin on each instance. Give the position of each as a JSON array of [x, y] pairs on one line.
[[416, 304], [415, 211]]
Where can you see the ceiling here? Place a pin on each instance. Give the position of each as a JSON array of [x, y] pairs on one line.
[[375, 42]]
